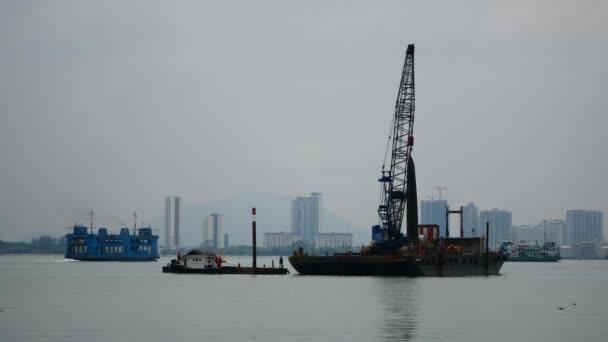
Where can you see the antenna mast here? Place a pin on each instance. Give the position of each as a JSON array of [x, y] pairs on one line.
[[439, 188], [91, 213], [134, 222]]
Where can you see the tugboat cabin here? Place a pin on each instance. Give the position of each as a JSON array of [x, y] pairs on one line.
[[197, 259]]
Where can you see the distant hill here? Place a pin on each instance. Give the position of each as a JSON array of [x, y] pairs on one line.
[[273, 215]]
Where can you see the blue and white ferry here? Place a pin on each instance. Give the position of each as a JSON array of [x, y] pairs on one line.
[[142, 245]]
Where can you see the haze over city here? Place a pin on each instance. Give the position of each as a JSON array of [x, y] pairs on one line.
[[114, 105]]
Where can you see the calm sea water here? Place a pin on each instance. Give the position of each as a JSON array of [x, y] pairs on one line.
[[46, 298]]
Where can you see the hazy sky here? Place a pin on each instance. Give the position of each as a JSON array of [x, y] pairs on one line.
[[112, 105]]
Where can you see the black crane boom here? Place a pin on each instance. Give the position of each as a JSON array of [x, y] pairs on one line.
[[395, 181]]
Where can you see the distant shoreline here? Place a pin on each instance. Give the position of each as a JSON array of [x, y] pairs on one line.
[[237, 255], [1, 254]]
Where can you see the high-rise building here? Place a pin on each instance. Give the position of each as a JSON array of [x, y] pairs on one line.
[[280, 239], [213, 231], [316, 199], [207, 234], [500, 225], [300, 216], [527, 234], [172, 218], [584, 226], [555, 230], [540, 232], [307, 216], [333, 240], [434, 212], [470, 220], [516, 233], [226, 241]]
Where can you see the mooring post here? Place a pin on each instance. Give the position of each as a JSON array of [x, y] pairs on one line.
[[447, 221], [253, 238], [440, 257], [487, 264], [461, 222]]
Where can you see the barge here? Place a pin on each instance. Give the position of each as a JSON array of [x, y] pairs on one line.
[[421, 251]]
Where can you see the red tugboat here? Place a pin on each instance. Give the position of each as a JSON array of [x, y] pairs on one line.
[[391, 253]]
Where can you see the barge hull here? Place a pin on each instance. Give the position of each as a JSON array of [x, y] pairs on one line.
[[410, 266], [223, 270], [534, 259]]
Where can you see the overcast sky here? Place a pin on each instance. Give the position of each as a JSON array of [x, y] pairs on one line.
[[113, 105]]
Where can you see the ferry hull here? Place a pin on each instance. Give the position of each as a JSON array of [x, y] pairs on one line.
[[534, 259], [112, 259], [410, 266]]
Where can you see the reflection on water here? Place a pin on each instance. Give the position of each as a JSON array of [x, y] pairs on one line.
[[398, 298]]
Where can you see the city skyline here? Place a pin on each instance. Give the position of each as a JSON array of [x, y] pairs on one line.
[[306, 225], [454, 225], [306, 221]]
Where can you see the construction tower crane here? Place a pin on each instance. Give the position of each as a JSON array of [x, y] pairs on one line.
[[440, 188], [399, 182]]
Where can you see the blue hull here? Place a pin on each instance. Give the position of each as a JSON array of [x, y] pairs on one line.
[[111, 259]]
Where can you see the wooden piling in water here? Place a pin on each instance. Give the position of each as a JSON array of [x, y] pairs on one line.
[[487, 261], [253, 238], [461, 222]]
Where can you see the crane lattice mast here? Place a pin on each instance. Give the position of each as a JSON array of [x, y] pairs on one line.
[[395, 180]]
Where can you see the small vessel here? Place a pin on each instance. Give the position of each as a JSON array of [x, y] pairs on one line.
[[197, 261], [548, 252], [83, 245]]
